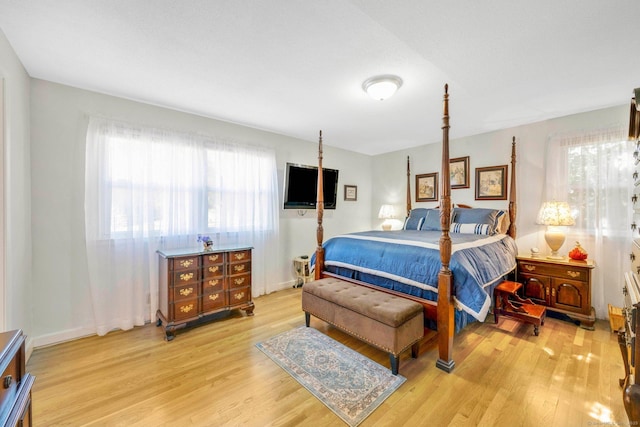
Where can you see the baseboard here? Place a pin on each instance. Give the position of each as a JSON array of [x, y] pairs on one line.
[[62, 336]]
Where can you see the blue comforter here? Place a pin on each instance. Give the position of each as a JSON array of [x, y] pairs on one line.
[[409, 261]]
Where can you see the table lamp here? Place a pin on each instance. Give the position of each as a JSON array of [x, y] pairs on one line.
[[555, 215], [386, 213]]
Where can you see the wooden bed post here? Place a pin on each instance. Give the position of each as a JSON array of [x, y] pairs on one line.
[[319, 267], [445, 315], [408, 188], [512, 193]]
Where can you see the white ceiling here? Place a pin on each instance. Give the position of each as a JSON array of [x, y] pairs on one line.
[[294, 66]]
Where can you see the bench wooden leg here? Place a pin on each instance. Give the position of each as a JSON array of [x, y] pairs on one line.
[[414, 350], [307, 319], [395, 362]]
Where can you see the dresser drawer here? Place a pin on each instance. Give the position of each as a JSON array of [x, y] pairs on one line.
[[213, 259], [239, 281], [184, 263], [185, 277], [236, 256], [213, 301], [213, 271], [561, 271], [185, 309], [185, 292], [239, 268], [214, 284], [239, 295], [10, 379]]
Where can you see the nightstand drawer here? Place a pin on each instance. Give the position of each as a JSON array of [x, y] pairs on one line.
[[240, 295], [570, 272], [181, 278], [236, 256], [213, 284], [185, 292]]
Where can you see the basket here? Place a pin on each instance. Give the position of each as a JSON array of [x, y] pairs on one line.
[[616, 318]]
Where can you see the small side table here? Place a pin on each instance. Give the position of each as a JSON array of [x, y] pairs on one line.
[[509, 304], [303, 273]]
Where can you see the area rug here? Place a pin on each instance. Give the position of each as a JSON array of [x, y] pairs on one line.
[[348, 383]]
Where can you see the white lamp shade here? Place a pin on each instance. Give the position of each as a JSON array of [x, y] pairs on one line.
[[382, 87], [555, 213], [386, 212]]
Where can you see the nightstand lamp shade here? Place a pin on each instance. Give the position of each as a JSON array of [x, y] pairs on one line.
[[555, 215], [386, 212]]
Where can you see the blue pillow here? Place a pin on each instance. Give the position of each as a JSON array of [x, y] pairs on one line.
[[415, 219], [432, 221]]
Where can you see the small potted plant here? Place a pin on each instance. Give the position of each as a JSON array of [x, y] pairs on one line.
[[207, 243]]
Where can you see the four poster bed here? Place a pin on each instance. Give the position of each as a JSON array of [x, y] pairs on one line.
[[448, 260]]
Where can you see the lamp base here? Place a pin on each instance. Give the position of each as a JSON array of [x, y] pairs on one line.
[[555, 239], [386, 227]]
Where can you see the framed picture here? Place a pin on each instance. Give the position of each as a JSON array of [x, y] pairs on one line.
[[350, 193], [459, 172], [491, 183], [427, 187]]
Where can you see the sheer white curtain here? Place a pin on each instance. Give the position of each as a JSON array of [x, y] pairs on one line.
[[148, 189], [592, 170]]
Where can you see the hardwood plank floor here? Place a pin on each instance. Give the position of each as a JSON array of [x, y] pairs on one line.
[[213, 375]]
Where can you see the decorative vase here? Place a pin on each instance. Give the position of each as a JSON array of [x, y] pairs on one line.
[[208, 245], [578, 253]]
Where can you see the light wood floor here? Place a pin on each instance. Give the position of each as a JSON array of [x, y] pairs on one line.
[[214, 375]]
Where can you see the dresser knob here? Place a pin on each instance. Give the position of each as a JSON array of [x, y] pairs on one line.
[[7, 381]]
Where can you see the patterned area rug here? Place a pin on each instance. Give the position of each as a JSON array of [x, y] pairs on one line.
[[351, 385]]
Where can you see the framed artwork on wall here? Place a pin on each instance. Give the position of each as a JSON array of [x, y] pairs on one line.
[[459, 172], [491, 183], [427, 187], [350, 193]]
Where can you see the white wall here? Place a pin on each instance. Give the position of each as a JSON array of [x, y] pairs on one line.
[[59, 117], [16, 311], [493, 149]]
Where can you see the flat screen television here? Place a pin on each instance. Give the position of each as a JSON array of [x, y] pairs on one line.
[[301, 183]]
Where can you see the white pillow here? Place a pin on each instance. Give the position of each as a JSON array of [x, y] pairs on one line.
[[457, 227]]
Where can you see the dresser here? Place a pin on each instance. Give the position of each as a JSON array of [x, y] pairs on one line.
[[196, 286], [15, 393], [563, 286]]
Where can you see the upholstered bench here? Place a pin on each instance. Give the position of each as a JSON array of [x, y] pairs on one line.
[[388, 322]]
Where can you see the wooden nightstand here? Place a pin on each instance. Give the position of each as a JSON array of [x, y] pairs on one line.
[[563, 286]]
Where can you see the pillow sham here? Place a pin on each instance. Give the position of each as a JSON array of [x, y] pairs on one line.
[[457, 227], [415, 219], [432, 220]]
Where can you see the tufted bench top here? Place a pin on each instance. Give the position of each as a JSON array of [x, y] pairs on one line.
[[386, 308]]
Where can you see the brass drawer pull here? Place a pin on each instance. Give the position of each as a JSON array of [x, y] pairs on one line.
[[547, 291], [239, 256], [7, 381], [529, 267], [186, 308], [214, 297], [214, 269], [239, 295], [238, 267], [573, 274], [186, 276], [239, 281], [214, 282], [214, 257], [186, 292], [186, 263]]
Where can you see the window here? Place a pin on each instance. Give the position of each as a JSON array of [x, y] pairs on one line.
[[164, 183]]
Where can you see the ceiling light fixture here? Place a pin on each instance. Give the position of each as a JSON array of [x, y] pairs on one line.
[[382, 87]]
